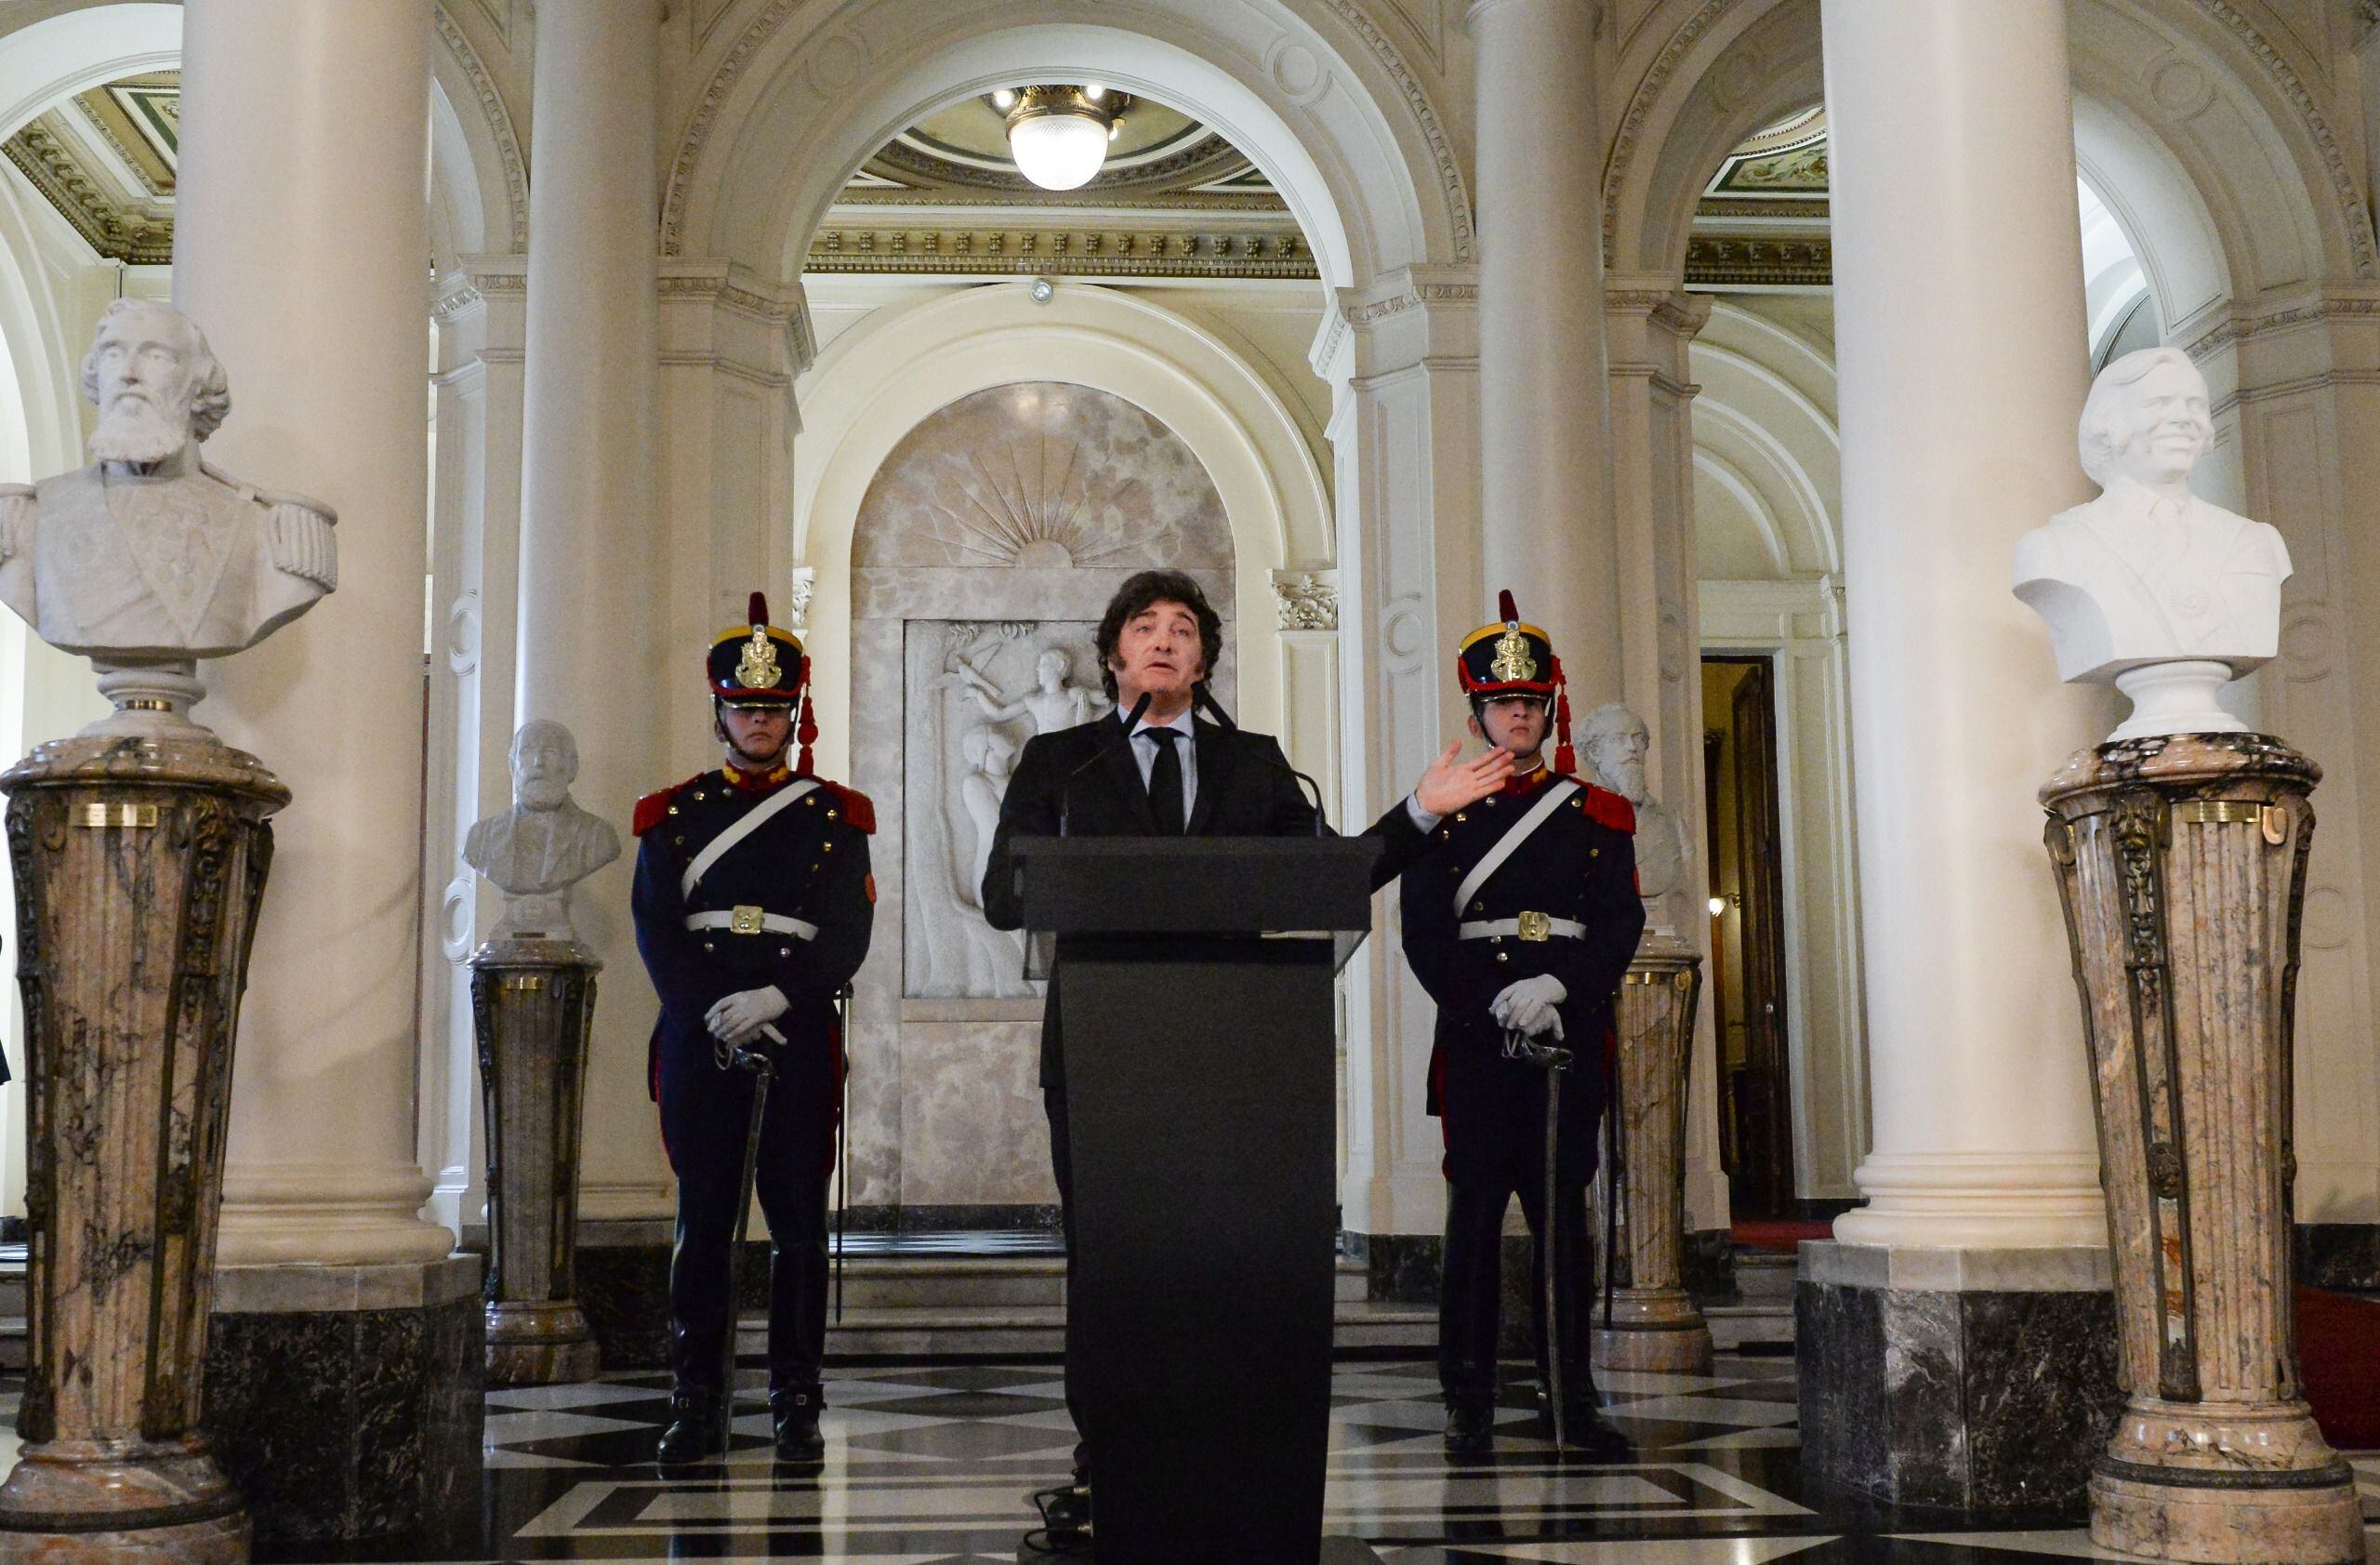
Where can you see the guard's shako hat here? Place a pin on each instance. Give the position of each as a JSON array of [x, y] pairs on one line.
[[1509, 658], [758, 664]]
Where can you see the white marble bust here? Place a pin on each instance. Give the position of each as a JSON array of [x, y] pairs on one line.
[[545, 843], [2149, 586], [149, 554], [1615, 741]]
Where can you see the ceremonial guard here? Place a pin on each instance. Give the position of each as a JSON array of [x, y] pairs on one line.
[[753, 906], [1521, 930]]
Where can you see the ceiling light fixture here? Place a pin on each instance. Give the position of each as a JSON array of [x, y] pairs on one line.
[[1059, 135]]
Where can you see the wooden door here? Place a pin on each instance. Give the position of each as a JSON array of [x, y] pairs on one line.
[[1761, 1086]]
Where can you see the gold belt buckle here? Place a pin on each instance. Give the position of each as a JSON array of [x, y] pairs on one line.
[[1536, 926], [746, 920]]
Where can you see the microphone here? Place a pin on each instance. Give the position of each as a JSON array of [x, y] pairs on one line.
[[1122, 735], [1202, 695]]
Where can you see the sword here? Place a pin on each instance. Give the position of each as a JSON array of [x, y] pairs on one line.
[[842, 1138], [753, 1057], [1611, 1178], [1554, 1061]]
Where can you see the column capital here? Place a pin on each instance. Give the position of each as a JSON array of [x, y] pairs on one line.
[[1306, 600], [781, 310], [1399, 319]]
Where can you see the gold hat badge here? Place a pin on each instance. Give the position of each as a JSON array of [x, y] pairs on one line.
[[756, 670], [1512, 662]]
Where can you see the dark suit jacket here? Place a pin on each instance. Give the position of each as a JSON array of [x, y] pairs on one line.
[[1245, 790]]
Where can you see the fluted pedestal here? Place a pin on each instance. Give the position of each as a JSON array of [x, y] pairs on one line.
[[2182, 863], [139, 863], [533, 1003], [1653, 1323]]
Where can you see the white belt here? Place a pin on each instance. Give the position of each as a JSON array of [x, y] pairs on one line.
[[1529, 926], [748, 919]]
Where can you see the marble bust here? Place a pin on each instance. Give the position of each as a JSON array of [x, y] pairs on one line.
[[1615, 742], [148, 555], [2149, 586], [545, 843]]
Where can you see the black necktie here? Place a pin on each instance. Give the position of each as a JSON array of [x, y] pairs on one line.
[[1165, 782]]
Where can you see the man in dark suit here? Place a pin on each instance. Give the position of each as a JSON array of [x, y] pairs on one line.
[[1174, 774]]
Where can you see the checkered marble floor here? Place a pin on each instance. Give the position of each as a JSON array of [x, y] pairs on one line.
[[932, 1466]]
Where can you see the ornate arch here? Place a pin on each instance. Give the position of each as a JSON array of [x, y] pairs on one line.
[[500, 169], [1309, 88]]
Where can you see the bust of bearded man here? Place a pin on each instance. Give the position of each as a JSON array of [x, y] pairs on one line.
[[149, 554]]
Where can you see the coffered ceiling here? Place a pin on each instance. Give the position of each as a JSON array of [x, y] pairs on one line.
[[105, 160]]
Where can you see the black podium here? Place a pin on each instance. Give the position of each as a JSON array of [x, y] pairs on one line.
[[1195, 1008]]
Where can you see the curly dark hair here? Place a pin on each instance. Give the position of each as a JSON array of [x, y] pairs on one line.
[[1137, 594]]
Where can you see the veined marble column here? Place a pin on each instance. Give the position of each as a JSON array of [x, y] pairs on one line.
[[300, 247], [1545, 519], [1960, 345], [587, 657]]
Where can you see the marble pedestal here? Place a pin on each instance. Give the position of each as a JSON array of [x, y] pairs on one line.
[[1976, 1382], [346, 1400], [140, 860], [2181, 860], [1653, 1323], [533, 1003]]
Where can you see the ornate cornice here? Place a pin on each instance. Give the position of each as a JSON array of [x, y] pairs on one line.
[[455, 298], [1272, 253], [499, 122], [2241, 325], [1717, 262], [1306, 600], [125, 234], [1441, 150], [690, 146], [2359, 215]]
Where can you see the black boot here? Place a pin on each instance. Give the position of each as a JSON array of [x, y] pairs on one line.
[[1584, 1428], [695, 1432], [797, 1408], [1471, 1429]]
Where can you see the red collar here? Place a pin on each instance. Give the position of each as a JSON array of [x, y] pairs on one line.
[[756, 782], [1519, 783]]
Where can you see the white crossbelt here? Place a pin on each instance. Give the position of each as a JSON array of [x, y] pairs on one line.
[[751, 921], [764, 813], [1487, 929], [1494, 858]]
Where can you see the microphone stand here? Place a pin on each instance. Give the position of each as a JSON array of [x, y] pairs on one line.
[[1201, 695]]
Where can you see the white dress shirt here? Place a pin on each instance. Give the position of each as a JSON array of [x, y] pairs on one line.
[[1145, 757]]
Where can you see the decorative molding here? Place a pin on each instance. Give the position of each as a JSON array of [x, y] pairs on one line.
[[1277, 253], [1254, 204], [456, 297], [499, 123], [1714, 261], [1668, 307], [1640, 108], [1451, 183], [1306, 600], [118, 232], [2240, 324], [2343, 185], [802, 588], [690, 146]]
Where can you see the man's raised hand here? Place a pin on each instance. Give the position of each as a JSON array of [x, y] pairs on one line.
[[1448, 785]]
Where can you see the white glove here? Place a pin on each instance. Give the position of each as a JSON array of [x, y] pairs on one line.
[[738, 1017], [1527, 1005]]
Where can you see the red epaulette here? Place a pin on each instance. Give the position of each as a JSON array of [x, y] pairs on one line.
[[857, 807], [1606, 808], [654, 808]]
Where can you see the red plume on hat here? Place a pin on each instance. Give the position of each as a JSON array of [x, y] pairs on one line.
[[759, 611], [1504, 609]]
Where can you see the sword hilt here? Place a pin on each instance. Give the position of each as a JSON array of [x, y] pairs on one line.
[[1520, 1046]]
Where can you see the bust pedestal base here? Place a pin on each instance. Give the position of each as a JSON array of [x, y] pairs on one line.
[[2181, 860], [532, 1005], [1654, 1323], [139, 862]]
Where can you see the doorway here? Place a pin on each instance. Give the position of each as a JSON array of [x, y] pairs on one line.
[[1747, 916]]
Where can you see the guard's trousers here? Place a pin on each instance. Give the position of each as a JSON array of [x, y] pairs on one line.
[[705, 1112], [1467, 1305]]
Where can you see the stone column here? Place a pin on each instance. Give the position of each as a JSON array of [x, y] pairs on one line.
[[1652, 1322], [590, 569], [300, 243], [1961, 346], [1545, 522], [1402, 358]]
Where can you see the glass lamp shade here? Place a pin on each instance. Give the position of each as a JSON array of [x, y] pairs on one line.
[[1058, 152]]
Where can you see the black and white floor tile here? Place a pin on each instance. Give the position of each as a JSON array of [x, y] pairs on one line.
[[933, 1464]]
